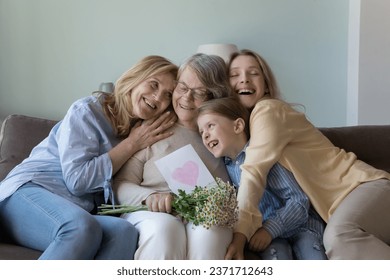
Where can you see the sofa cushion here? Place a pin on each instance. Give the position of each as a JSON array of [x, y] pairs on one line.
[[19, 134], [14, 252]]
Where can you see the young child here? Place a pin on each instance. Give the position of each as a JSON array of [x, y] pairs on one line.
[[291, 228]]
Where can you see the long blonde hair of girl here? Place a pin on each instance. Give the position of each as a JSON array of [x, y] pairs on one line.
[[269, 78]]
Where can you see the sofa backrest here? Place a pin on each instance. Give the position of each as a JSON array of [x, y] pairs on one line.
[[370, 143], [19, 134]]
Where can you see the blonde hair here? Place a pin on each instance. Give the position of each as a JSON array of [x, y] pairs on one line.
[[118, 106], [229, 107], [269, 78]]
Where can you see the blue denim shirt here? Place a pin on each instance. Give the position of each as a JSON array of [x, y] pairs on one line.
[[285, 207], [72, 161]]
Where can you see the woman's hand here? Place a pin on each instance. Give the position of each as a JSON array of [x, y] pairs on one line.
[[148, 132], [260, 240], [159, 202]]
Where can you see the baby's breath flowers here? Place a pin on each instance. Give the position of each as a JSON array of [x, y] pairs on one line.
[[214, 205], [209, 206]]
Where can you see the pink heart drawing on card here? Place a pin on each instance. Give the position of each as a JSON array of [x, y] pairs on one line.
[[187, 174]]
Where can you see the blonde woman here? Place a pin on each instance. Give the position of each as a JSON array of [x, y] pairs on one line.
[[46, 201]]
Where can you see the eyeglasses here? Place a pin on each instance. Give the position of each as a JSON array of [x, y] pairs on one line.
[[200, 94]]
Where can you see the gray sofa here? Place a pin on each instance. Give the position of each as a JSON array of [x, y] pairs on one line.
[[19, 134]]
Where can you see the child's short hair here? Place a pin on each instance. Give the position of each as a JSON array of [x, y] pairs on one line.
[[229, 107]]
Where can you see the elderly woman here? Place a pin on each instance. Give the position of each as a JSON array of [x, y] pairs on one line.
[[162, 235]]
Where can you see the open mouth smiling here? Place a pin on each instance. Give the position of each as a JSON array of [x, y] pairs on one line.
[[150, 104], [212, 144], [246, 91]]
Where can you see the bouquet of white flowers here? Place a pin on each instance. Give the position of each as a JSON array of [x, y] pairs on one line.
[[214, 205]]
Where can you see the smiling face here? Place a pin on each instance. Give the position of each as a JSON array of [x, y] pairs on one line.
[[221, 135], [151, 97], [247, 80], [184, 104]]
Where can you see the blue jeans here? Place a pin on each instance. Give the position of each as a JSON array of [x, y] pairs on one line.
[[302, 246], [307, 246], [279, 249], [36, 218]]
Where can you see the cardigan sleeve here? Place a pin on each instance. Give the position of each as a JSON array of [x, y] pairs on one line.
[[270, 133], [127, 185]]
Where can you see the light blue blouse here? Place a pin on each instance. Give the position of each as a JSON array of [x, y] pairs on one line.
[[73, 160]]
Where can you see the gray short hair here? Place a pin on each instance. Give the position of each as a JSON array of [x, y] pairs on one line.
[[212, 72]]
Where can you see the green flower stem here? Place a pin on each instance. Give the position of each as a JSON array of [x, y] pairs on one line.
[[107, 209], [208, 206]]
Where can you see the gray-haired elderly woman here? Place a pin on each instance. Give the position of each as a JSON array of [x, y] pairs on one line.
[[162, 235]]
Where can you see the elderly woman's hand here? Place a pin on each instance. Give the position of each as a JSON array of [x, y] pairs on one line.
[[159, 202]]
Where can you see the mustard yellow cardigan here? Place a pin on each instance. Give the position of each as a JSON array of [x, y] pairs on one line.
[[327, 174]]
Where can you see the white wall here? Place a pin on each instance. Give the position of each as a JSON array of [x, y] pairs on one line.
[[55, 51], [353, 62], [374, 63]]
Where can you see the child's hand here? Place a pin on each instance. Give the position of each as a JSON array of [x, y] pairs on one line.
[[260, 240]]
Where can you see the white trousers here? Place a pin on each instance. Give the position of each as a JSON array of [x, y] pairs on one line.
[[165, 237]]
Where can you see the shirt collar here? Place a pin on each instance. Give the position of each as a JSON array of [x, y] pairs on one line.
[[228, 160]]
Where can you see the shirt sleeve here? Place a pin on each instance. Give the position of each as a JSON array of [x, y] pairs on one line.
[[83, 151], [295, 204], [270, 133]]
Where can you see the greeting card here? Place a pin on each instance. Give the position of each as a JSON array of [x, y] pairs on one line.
[[184, 169]]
